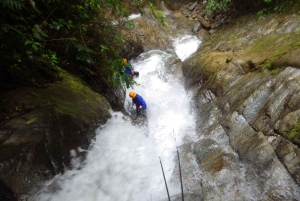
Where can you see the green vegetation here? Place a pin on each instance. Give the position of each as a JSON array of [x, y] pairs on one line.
[[80, 36], [211, 79], [159, 14], [217, 5], [263, 6], [275, 71], [232, 35], [267, 42], [293, 130], [77, 35], [282, 48]]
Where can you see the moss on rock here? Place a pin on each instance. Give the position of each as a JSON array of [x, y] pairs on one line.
[[39, 127], [293, 130], [70, 95]]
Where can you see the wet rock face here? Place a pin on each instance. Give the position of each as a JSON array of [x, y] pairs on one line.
[[246, 94], [42, 126], [116, 98], [289, 154], [150, 33], [182, 17], [39, 150], [238, 121]]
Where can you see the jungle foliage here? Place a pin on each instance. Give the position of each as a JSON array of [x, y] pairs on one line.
[[76, 35], [261, 6], [38, 38]]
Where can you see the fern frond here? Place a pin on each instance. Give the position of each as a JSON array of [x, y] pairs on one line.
[[13, 4]]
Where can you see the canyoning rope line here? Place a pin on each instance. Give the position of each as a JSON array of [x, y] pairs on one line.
[[182, 196], [180, 176], [162, 169], [179, 166]]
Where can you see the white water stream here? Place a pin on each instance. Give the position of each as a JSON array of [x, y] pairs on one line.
[[123, 163]]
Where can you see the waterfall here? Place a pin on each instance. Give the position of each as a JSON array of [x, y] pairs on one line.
[[123, 161]]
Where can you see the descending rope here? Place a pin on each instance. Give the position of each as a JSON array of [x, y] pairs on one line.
[[162, 169], [182, 196], [164, 179], [181, 183], [180, 175]]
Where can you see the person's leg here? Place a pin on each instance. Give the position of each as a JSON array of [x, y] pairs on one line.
[[143, 113], [138, 111]]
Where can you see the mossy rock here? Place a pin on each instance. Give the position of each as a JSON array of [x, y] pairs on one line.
[[69, 95], [39, 128]]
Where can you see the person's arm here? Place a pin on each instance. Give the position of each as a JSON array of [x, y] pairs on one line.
[[144, 104]]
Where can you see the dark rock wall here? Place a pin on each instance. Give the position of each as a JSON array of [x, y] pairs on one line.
[[40, 126]]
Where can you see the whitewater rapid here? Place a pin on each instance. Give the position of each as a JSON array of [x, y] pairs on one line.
[[123, 162]]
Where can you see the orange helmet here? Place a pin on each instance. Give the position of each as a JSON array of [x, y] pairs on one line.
[[132, 94], [124, 60]]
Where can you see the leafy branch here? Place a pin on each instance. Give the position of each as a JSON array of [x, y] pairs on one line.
[[74, 34]]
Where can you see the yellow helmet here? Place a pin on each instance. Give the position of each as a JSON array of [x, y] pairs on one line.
[[132, 94], [124, 60]]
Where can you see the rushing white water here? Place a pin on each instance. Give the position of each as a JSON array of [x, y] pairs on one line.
[[123, 163], [129, 18], [134, 16], [185, 46]]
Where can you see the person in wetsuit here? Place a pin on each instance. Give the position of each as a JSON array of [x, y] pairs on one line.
[[139, 102]]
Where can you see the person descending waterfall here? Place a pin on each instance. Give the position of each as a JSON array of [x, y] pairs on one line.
[[139, 103], [130, 72]]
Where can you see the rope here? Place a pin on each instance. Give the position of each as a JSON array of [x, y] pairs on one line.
[[162, 169], [182, 196]]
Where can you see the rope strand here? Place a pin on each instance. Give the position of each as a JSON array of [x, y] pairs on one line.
[[182, 196], [164, 178]]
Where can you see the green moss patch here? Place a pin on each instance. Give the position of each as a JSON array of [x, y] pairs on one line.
[[293, 130], [70, 95]]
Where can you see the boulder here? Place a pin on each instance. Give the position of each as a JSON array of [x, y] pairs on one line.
[[41, 126]]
